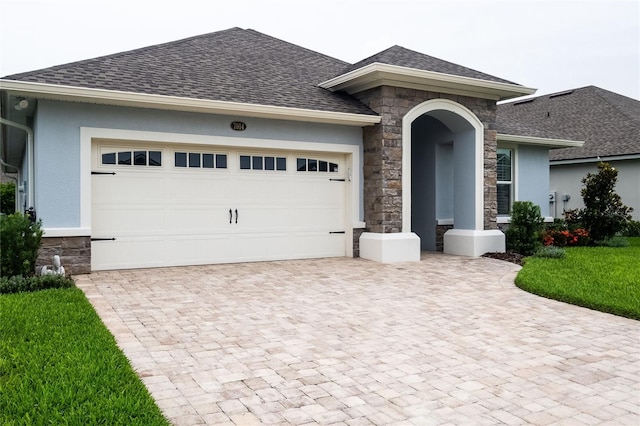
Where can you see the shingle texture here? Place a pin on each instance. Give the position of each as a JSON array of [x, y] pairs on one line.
[[234, 65], [400, 56], [609, 123]]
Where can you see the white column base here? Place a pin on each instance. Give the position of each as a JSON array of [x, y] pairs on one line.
[[390, 248], [468, 242]]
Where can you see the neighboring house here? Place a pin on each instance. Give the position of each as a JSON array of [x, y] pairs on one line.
[[236, 146], [609, 125]]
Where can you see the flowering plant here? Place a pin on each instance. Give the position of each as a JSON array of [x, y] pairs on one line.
[[564, 238]]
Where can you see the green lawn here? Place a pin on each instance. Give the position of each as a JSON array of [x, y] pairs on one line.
[[60, 365], [602, 278]]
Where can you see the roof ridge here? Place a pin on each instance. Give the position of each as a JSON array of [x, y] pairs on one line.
[[267, 36], [598, 91], [120, 54]]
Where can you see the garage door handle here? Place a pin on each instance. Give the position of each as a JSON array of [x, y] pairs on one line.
[[236, 215], [230, 215]]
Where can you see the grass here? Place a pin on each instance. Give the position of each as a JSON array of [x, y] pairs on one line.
[[60, 365], [606, 279]]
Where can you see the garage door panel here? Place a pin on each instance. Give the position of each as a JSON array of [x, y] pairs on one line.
[[197, 219], [163, 216], [126, 253], [130, 221]]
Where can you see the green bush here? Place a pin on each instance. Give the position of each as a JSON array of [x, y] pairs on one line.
[[8, 198], [523, 233], [603, 215], [633, 228], [18, 284], [617, 241], [551, 252], [19, 243]]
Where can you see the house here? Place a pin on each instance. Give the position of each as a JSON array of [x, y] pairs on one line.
[[235, 146], [609, 125]]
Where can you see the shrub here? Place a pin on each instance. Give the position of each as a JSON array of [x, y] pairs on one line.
[[633, 228], [617, 241], [19, 243], [552, 252], [524, 230], [604, 215], [18, 284], [8, 198]]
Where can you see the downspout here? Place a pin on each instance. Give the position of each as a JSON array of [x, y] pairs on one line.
[[30, 162]]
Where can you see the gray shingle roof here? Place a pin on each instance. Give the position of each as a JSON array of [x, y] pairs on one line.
[[400, 56], [234, 65], [609, 123]]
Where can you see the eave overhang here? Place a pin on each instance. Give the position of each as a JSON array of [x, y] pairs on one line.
[[605, 158], [177, 103], [378, 74], [545, 142]]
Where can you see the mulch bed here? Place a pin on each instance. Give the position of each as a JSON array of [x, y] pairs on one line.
[[508, 256]]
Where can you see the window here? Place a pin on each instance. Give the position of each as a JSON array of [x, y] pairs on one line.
[[136, 157], [258, 162], [313, 165], [199, 160], [505, 180]]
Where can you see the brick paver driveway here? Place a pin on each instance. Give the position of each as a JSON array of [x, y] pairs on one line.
[[449, 340]]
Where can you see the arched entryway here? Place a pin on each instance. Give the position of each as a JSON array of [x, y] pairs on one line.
[[443, 176]]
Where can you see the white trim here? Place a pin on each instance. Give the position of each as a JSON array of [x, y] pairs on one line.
[[507, 219], [378, 74], [177, 103], [595, 159], [530, 140], [87, 134], [456, 108], [448, 221], [66, 232]]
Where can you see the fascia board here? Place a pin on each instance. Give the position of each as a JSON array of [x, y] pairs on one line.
[[547, 142], [595, 159], [176, 103], [352, 81]]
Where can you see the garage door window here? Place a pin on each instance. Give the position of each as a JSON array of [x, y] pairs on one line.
[[313, 165], [259, 162], [132, 158], [200, 160]]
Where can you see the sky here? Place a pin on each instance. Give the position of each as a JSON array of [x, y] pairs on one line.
[[548, 45]]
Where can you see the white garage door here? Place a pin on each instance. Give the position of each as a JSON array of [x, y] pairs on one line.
[[187, 205]]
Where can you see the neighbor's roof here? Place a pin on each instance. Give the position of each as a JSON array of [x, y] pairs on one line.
[[237, 65], [609, 123]]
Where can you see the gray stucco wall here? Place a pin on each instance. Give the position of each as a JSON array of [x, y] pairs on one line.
[[567, 180], [57, 144]]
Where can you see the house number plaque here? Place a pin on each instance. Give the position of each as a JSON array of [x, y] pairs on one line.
[[238, 126]]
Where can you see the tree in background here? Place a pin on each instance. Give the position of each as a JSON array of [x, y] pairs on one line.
[[604, 215]]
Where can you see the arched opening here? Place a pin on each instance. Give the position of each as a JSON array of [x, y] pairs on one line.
[[443, 170]]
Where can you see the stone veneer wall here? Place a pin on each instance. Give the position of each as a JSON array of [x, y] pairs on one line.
[[74, 252], [356, 242], [383, 153], [440, 230]]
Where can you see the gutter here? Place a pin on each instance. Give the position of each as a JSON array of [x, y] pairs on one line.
[[30, 162]]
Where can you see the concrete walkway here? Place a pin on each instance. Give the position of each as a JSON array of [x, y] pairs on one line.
[[449, 340]]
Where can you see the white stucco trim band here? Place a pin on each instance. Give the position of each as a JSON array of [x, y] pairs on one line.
[[177, 103], [531, 140], [66, 232], [378, 74]]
